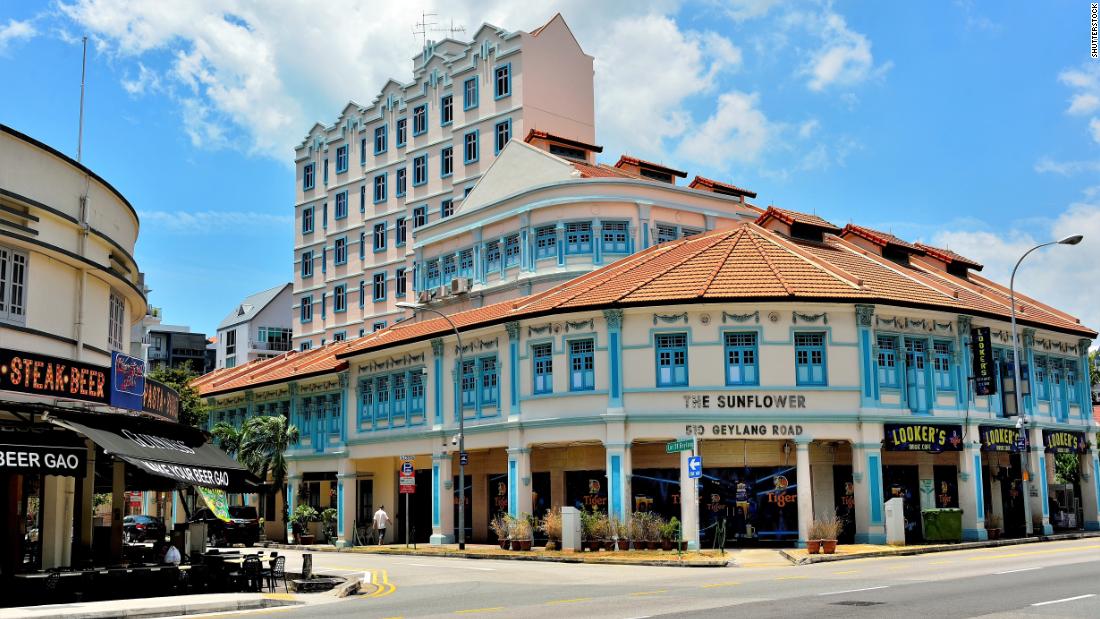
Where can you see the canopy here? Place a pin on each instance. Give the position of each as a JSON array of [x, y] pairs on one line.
[[162, 448]]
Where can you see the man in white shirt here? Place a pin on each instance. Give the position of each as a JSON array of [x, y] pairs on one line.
[[381, 521]]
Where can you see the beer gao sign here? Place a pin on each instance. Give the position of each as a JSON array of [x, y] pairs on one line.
[[998, 438], [53, 377], [161, 400], [127, 381], [922, 437], [981, 354], [1064, 442], [45, 459]]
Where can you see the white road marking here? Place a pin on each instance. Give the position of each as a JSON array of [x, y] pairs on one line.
[[1023, 569], [456, 567], [854, 590], [1078, 597]]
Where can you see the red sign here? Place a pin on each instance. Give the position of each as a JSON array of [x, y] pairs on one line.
[[407, 484]]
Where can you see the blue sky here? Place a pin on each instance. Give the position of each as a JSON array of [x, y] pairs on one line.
[[970, 124]]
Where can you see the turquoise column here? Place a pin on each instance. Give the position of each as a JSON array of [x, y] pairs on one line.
[[868, 375], [437, 379], [597, 244], [291, 487], [614, 320], [345, 379], [1084, 379], [513, 367], [1030, 400], [560, 242]]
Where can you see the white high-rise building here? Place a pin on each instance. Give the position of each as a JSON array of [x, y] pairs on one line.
[[367, 182]]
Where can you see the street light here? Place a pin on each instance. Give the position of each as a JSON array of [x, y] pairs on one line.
[[461, 425], [1022, 422]]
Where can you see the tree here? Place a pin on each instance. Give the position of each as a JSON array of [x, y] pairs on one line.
[[1067, 468], [193, 410], [229, 438], [263, 449], [1094, 372]]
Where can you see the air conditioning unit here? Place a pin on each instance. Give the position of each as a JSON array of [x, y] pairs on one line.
[[425, 296], [461, 285], [441, 291]]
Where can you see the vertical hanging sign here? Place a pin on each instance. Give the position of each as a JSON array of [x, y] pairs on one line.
[[981, 352]]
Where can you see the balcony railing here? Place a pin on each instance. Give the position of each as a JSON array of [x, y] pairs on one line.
[[271, 346]]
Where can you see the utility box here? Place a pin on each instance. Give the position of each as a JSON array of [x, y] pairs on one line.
[[895, 521], [942, 525], [197, 532], [571, 529]]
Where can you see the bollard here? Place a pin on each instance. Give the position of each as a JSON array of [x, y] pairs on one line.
[[307, 566]]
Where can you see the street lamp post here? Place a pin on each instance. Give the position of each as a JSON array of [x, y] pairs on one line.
[[461, 425], [1022, 423]]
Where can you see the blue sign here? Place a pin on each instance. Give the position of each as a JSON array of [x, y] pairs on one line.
[[695, 467], [127, 382], [407, 468], [464, 458]]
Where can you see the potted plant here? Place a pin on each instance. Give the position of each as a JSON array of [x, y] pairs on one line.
[[993, 526], [618, 530], [637, 530], [521, 532], [653, 531], [824, 532], [302, 516], [551, 526], [499, 527], [510, 526], [328, 525], [603, 531], [669, 533], [590, 529]]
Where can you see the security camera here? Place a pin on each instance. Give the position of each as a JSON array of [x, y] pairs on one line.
[[1020, 423], [454, 440]]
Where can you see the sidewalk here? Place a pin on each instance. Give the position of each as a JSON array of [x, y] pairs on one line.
[[799, 556], [158, 607], [704, 558]]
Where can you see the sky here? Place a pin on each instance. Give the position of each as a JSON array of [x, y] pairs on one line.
[[972, 125]]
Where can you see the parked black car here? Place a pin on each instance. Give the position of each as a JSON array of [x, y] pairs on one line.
[[142, 528], [243, 526]]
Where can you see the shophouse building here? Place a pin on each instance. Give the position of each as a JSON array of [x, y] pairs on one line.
[[821, 370]]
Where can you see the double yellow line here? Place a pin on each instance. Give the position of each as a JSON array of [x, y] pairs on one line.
[[382, 585]]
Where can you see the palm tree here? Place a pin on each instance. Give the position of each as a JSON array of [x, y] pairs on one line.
[[263, 448], [229, 438]]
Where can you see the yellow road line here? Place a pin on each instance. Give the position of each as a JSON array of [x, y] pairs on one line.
[[941, 562], [470, 611], [657, 592], [381, 580], [1032, 552], [570, 601], [714, 585]]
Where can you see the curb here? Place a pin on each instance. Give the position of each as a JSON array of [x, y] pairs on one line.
[[455, 554], [920, 550], [194, 608]]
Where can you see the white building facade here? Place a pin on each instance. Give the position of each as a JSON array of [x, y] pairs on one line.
[[260, 327]]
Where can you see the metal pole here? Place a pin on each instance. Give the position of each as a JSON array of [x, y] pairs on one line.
[[406, 520], [80, 128], [1025, 456]]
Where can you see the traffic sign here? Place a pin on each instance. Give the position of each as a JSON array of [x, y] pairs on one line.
[[674, 446], [408, 458], [695, 467], [407, 468], [408, 484], [464, 458]]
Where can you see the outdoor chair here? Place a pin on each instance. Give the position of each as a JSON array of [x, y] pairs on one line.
[[250, 574], [275, 572]]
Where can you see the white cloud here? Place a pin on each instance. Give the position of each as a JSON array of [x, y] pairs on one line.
[[1085, 98], [1057, 275], [1084, 103], [844, 58], [214, 222], [147, 81], [1066, 168], [808, 128], [1094, 128], [743, 10], [14, 31], [737, 131]]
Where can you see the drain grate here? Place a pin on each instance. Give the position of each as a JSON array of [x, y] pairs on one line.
[[857, 603]]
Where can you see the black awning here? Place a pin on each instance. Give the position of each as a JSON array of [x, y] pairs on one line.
[[162, 448], [42, 449]]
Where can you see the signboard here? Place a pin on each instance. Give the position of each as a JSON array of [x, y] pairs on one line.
[[408, 458], [464, 458], [746, 400], [406, 469], [44, 459], [1064, 442], [922, 437], [407, 484], [695, 467], [677, 446], [127, 381], [761, 430], [161, 400], [53, 377], [998, 438], [984, 367]]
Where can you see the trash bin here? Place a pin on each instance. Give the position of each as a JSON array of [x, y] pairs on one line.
[[942, 525]]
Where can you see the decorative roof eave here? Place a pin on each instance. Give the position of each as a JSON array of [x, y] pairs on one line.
[[702, 181], [534, 134], [642, 163], [793, 217]]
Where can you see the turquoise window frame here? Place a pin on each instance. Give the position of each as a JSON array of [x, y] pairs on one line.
[[611, 244], [488, 381], [400, 283], [671, 354], [542, 368], [420, 216], [943, 365], [362, 198], [379, 193], [400, 178], [575, 231], [307, 220], [466, 262], [341, 159], [468, 384], [887, 368], [340, 293], [734, 343], [324, 260], [324, 168], [341, 206], [378, 286], [494, 253], [512, 251], [378, 325], [808, 371], [381, 139], [1042, 375], [446, 110], [506, 125], [363, 151], [400, 232], [546, 242], [471, 94], [582, 364], [500, 92], [309, 176], [362, 245], [420, 170], [433, 273], [379, 240], [402, 131], [420, 119], [446, 208], [339, 336], [305, 310], [471, 147], [307, 264], [446, 161], [362, 294], [340, 251]]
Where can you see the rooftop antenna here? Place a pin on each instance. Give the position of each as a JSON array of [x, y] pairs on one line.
[[80, 127], [423, 27]]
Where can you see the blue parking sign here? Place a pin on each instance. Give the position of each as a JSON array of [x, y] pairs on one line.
[[695, 467]]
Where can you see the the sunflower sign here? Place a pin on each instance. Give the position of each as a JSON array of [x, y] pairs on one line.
[[216, 501]]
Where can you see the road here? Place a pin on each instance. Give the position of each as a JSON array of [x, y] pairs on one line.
[[1059, 579]]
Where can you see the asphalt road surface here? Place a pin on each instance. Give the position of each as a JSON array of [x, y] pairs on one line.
[[1054, 579]]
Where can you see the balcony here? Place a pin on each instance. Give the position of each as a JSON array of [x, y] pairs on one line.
[[270, 346]]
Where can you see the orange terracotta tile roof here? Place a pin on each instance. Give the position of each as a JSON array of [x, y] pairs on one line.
[[628, 160], [588, 170], [882, 239], [949, 256], [702, 181], [550, 137], [740, 264], [791, 217]]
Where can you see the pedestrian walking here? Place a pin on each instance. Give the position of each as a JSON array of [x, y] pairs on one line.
[[381, 521]]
